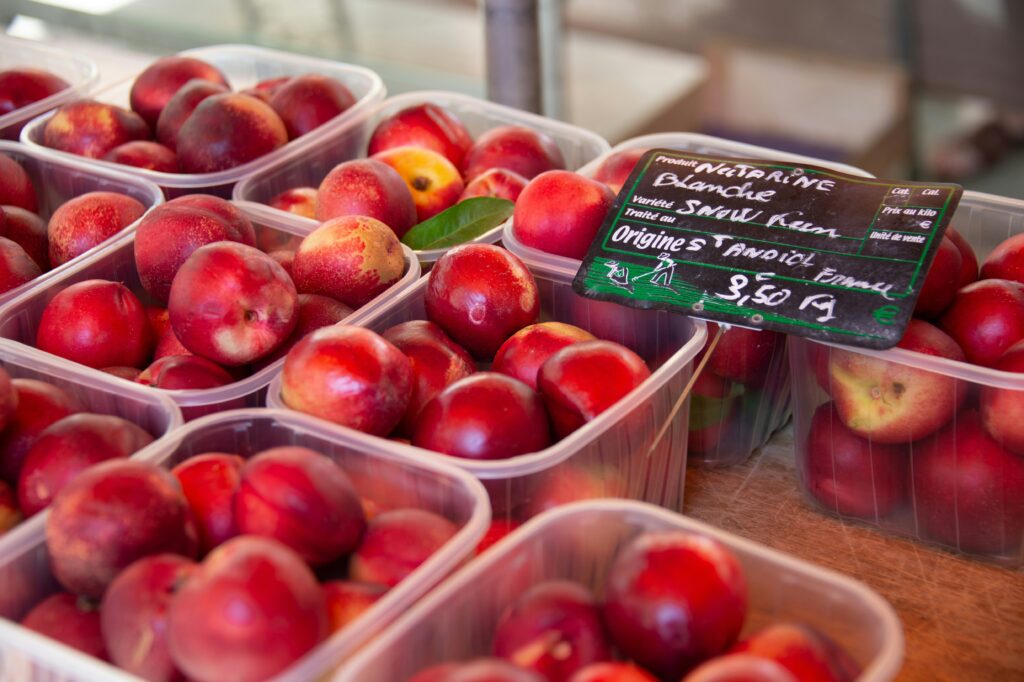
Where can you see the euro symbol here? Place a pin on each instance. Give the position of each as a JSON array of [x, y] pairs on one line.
[[886, 314]]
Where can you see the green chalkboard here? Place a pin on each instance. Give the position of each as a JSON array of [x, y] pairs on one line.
[[797, 249]]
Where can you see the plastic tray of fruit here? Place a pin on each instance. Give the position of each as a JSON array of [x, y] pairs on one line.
[[110, 312], [742, 397], [635, 447], [35, 78], [35, 186], [350, 485], [56, 420], [244, 68], [556, 595], [418, 118], [925, 440]]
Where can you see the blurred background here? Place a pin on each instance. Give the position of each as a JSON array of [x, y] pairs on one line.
[[928, 89]]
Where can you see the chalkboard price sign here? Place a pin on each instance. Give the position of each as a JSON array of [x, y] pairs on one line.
[[798, 249]]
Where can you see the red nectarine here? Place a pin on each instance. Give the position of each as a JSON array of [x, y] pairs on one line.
[[96, 323], [112, 514], [484, 416], [251, 610], [232, 303], [348, 375], [162, 79], [302, 499], [426, 125], [481, 294]]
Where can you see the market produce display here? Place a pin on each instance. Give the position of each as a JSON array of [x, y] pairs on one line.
[[185, 119], [239, 551], [156, 564]]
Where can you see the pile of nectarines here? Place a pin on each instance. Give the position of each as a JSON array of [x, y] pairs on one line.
[[421, 161], [47, 438], [418, 379], [674, 607], [291, 555], [899, 438], [212, 305], [30, 246], [184, 118]]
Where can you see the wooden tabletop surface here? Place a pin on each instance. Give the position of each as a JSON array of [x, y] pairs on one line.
[[962, 619]]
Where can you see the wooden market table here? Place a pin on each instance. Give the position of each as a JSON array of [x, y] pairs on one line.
[[963, 620]]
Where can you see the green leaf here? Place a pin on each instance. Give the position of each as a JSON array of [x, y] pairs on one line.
[[462, 222]]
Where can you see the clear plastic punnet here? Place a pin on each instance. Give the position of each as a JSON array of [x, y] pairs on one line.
[[578, 542], [634, 449], [578, 145], [729, 418], [388, 480], [19, 318], [59, 179], [952, 487], [244, 66], [78, 72], [98, 393]]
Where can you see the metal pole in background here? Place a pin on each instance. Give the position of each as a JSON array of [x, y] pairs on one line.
[[512, 35], [552, 58], [906, 36]]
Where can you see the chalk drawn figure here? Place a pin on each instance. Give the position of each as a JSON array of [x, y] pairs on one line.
[[661, 276], [618, 275]]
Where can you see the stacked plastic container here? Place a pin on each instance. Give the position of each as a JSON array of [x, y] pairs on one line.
[[78, 72], [244, 66], [578, 542], [19, 319], [883, 486], [97, 393], [578, 146], [387, 480], [615, 455], [57, 180], [729, 418]]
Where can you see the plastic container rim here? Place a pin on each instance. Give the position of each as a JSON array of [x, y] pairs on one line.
[[419, 96], [885, 664], [654, 140], [231, 175]]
